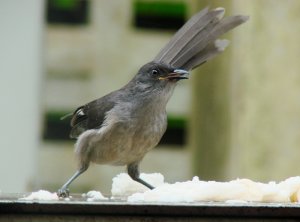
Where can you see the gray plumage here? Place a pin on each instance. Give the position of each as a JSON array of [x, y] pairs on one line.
[[121, 127], [192, 44]]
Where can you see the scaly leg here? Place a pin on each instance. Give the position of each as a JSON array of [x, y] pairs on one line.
[[64, 190], [134, 173]]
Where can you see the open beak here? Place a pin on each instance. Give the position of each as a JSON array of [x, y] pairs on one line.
[[177, 74]]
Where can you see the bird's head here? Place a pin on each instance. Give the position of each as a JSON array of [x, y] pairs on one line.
[[160, 75]]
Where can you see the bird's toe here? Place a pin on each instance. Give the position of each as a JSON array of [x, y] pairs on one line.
[[63, 192]]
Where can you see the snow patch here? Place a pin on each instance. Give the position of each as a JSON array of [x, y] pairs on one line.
[[123, 185], [237, 191], [41, 195], [94, 196]]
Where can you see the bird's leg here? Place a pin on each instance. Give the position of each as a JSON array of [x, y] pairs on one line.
[[134, 173], [64, 190]]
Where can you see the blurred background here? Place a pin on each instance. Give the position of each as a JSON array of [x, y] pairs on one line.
[[237, 116]]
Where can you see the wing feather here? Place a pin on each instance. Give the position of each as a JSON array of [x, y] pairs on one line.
[[91, 115]]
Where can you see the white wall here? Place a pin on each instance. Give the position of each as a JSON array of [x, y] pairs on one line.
[[21, 32]]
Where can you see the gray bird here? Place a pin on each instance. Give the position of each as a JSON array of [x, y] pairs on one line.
[[121, 127]]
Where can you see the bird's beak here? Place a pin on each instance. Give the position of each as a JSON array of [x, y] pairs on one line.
[[177, 74]]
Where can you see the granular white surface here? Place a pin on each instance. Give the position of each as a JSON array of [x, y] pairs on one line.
[[195, 190], [94, 196], [41, 195], [123, 185]]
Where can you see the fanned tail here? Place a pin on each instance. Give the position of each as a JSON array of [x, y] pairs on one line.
[[197, 41]]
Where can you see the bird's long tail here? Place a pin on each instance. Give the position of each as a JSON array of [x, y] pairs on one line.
[[197, 41]]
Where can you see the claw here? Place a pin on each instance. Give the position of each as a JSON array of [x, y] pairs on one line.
[[63, 193]]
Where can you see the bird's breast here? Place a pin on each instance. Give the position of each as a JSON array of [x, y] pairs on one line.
[[128, 135]]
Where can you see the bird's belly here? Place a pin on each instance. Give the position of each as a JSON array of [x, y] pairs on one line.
[[128, 142]]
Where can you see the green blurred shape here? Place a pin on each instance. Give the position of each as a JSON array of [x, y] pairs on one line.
[[160, 8]]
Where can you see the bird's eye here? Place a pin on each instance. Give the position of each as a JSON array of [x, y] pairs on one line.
[[154, 72]]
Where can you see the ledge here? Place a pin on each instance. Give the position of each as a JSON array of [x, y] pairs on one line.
[[12, 209]]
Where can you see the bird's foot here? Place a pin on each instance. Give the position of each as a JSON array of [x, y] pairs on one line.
[[63, 192]]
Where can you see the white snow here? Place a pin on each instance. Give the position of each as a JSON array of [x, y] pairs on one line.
[[41, 195], [236, 202], [236, 191], [239, 191], [94, 196], [123, 185]]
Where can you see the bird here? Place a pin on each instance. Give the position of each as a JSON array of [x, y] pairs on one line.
[[122, 126]]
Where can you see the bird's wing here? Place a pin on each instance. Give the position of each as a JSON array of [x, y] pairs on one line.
[[195, 43], [91, 115]]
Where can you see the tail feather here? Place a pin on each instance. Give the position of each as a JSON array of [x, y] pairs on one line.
[[206, 54], [194, 43], [186, 34], [166, 51]]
